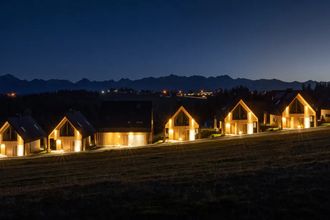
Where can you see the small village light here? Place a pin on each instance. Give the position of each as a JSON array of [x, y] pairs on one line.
[[11, 94]]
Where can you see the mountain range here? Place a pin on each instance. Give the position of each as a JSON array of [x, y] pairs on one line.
[[10, 83]]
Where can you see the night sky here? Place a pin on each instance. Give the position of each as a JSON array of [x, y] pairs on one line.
[[288, 40]]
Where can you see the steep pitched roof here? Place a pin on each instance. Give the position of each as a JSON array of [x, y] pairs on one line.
[[258, 107], [282, 99], [191, 111], [185, 111], [27, 128], [79, 121], [125, 116]]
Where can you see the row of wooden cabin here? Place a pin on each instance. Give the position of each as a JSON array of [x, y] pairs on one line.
[[293, 112], [22, 135], [290, 111], [121, 124]]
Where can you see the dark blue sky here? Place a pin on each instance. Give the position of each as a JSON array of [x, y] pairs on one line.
[[289, 40]]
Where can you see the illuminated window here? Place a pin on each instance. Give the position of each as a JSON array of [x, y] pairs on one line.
[[239, 113], [9, 134], [67, 130], [181, 119], [296, 107]]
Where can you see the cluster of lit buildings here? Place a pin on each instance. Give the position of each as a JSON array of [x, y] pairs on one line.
[[121, 123], [130, 123]]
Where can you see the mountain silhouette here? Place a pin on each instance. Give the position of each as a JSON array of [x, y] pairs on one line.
[[10, 83]]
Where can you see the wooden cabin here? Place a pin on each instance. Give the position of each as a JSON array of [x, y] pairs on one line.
[[298, 114], [325, 115], [20, 136], [181, 126], [125, 123], [293, 111], [240, 120], [72, 134]]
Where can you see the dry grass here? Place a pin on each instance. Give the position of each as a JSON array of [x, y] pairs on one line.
[[275, 176]]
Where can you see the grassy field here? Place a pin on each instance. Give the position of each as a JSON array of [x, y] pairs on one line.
[[286, 175]]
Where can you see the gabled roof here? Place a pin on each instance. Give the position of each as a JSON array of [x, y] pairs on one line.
[[184, 110], [79, 121], [27, 128], [256, 105], [195, 111], [282, 99], [243, 104], [223, 110], [125, 116]]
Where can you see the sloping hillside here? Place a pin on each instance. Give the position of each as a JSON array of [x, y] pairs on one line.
[[283, 175]]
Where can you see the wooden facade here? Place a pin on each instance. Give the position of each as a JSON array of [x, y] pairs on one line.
[[21, 136], [130, 139], [241, 120], [325, 115], [181, 126], [125, 123], [72, 134], [298, 114]]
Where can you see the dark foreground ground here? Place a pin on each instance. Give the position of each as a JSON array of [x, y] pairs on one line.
[[265, 177]]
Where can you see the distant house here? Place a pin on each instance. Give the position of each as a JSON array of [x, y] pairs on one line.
[[181, 126], [72, 134], [324, 107], [125, 123], [293, 111], [325, 115], [20, 136], [240, 120]]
